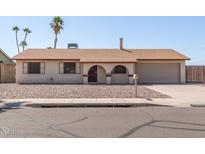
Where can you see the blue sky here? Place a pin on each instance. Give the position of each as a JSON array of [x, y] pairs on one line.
[[185, 34]]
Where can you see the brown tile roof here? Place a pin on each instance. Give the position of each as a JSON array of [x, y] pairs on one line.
[[100, 55]]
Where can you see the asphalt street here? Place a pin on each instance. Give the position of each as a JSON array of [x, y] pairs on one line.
[[132, 122]]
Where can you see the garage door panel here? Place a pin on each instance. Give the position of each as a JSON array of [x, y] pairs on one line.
[[158, 73]]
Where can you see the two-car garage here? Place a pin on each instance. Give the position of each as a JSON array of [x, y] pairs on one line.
[[158, 72]]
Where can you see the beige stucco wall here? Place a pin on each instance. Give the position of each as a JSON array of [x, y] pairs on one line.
[[101, 75], [120, 79], [182, 72], [51, 71], [114, 78], [107, 66]]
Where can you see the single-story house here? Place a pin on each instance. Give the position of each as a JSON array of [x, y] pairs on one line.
[[101, 66], [7, 68]]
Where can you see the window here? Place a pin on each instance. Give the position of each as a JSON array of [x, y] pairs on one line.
[[34, 68], [69, 68], [119, 69]]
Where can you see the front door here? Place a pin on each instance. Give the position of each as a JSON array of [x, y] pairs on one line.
[[92, 74]]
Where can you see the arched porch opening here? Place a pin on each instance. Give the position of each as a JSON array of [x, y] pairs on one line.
[[97, 75], [120, 75]]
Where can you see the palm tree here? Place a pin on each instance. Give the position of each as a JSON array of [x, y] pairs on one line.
[[56, 25], [16, 29], [26, 31], [23, 44]]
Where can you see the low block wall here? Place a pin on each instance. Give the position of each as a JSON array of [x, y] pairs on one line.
[[7, 73]]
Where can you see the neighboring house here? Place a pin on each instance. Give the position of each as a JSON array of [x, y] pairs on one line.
[[102, 66], [7, 68], [4, 58]]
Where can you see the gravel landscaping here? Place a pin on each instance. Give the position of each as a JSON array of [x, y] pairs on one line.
[[13, 91]]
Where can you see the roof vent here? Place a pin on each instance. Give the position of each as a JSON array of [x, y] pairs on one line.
[[72, 45]]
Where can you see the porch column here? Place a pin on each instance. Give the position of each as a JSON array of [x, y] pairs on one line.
[[85, 68], [108, 78], [85, 79], [131, 71], [131, 80]]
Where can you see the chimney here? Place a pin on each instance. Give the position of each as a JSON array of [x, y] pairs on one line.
[[121, 44]]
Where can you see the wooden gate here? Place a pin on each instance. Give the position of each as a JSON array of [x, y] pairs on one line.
[[195, 74], [7, 73]]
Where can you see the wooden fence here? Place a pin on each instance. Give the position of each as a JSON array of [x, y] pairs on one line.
[[0, 72], [195, 74], [7, 73]]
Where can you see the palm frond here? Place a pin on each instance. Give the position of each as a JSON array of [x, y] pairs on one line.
[[27, 30], [23, 43], [15, 28]]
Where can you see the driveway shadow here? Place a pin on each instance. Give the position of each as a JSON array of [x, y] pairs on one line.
[[4, 106]]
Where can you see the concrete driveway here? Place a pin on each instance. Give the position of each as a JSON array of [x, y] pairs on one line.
[[182, 95]]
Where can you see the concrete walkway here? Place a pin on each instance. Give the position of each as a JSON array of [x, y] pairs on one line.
[[92, 102]]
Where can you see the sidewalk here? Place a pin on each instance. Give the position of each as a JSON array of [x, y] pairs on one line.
[[102, 102]]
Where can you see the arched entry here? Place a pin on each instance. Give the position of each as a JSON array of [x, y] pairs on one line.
[[120, 75], [97, 74]]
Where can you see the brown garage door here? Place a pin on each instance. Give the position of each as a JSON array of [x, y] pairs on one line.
[[158, 73]]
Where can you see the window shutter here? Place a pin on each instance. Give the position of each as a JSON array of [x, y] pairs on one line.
[[42, 67], [61, 68], [25, 68], [77, 68]]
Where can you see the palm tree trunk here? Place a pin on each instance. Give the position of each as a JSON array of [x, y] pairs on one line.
[[25, 40], [55, 41], [17, 42], [25, 36]]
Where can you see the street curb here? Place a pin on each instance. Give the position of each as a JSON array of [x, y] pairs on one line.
[[106, 102], [56, 105], [197, 105]]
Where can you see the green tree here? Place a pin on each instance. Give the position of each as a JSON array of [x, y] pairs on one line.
[[57, 26], [16, 29]]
